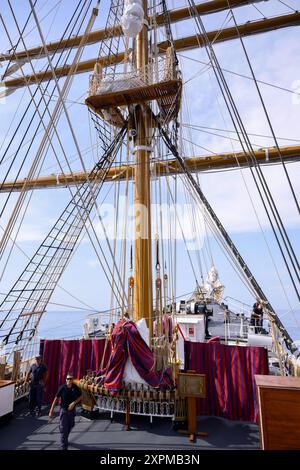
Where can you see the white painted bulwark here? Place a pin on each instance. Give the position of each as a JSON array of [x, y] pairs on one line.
[[192, 326], [265, 341], [7, 388]]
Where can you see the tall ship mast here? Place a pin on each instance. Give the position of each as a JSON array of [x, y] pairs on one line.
[[162, 221]]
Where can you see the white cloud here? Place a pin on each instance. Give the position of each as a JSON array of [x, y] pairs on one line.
[[275, 58], [30, 233], [93, 263]]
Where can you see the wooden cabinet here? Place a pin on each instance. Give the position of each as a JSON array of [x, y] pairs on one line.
[[279, 412]]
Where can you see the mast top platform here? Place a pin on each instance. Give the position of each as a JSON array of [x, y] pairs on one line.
[[159, 81]]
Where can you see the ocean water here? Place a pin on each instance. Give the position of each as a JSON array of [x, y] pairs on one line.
[[69, 324], [62, 324], [291, 321]]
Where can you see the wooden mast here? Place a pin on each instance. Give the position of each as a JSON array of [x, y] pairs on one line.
[[143, 307]]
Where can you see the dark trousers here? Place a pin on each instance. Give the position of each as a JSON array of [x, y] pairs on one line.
[[66, 423], [206, 325], [257, 323], [35, 397]]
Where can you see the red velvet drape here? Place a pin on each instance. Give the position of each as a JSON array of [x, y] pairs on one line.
[[230, 374], [229, 371], [74, 356]]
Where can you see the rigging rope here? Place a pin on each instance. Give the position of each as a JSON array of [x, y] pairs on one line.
[[247, 273], [209, 66], [31, 120], [61, 243], [265, 110], [65, 87], [236, 120]]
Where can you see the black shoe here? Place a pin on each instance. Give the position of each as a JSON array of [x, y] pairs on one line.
[[207, 336]]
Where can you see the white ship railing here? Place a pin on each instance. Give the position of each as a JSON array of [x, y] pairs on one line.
[[241, 311]]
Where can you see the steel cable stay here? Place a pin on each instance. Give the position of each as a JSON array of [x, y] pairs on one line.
[[3, 76], [249, 192], [287, 5], [260, 12], [50, 128], [192, 144], [57, 62], [234, 251], [253, 207], [52, 257], [170, 195], [265, 111], [204, 129], [109, 46], [259, 146], [87, 308], [49, 140], [14, 243], [75, 62], [123, 249], [263, 82], [232, 261], [14, 47], [272, 258], [220, 78], [13, 240], [27, 150], [101, 221], [116, 206], [191, 214], [222, 244], [76, 59], [236, 120], [172, 130], [23, 137], [72, 158], [237, 267], [56, 7]]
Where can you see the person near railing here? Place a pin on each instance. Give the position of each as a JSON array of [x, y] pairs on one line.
[[257, 316]]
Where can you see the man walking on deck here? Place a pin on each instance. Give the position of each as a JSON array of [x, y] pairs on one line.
[[69, 395]]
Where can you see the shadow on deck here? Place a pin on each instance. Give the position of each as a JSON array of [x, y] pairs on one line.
[[23, 432]]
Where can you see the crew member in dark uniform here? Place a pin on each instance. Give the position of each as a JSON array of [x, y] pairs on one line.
[[206, 315], [202, 308], [39, 374], [257, 316], [69, 395]]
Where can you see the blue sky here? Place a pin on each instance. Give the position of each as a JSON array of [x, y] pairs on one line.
[[275, 58]]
